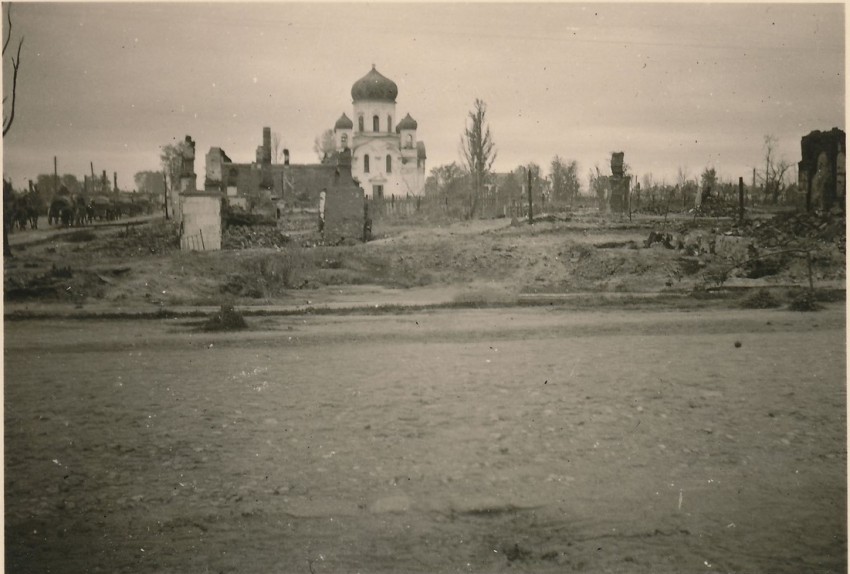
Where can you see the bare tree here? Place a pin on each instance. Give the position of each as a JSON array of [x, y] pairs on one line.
[[477, 150], [7, 125], [171, 159], [324, 145], [277, 147], [682, 176], [773, 176], [598, 183], [16, 62], [564, 176]]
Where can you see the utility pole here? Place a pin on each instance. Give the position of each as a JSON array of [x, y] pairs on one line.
[[165, 193], [115, 181], [530, 214], [753, 188], [741, 200], [55, 175], [92, 176]]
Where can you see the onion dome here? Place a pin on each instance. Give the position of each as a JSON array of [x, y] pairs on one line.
[[343, 123], [374, 86], [407, 123]]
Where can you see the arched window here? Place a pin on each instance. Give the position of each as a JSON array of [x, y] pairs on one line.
[[365, 164], [360, 123], [376, 124], [344, 140], [409, 140], [389, 124], [389, 163]]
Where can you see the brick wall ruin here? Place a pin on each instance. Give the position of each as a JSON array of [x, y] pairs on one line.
[[618, 184], [822, 175]]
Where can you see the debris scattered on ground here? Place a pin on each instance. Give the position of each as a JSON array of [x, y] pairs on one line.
[[253, 236]]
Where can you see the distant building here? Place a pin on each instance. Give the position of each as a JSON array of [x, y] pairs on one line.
[[387, 159]]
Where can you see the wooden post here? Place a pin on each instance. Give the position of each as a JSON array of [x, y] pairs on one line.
[[115, 180], [741, 200], [92, 176], [55, 176], [530, 214]]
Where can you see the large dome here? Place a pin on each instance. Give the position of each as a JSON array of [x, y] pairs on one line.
[[374, 86]]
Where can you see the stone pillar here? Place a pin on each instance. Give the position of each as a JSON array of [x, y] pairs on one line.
[[619, 184], [188, 179]]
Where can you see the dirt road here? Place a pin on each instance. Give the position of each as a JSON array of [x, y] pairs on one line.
[[531, 440]]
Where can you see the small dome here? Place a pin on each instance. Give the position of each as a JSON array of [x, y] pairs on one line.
[[343, 123], [407, 123], [374, 86]]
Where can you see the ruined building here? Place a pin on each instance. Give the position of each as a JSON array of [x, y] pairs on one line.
[[822, 171], [387, 159]]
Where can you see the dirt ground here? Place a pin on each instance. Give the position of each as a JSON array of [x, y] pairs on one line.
[[515, 439], [479, 396]]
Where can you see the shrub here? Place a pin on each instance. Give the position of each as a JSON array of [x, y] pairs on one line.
[[761, 299], [226, 319], [805, 301]]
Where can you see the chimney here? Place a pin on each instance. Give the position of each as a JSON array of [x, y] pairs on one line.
[[286, 157]]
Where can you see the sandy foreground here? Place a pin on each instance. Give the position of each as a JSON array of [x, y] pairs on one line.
[[491, 440]]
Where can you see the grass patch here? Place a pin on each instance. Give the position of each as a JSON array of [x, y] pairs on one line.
[[80, 236], [485, 297]]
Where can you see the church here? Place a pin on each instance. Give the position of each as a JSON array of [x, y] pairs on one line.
[[386, 158]]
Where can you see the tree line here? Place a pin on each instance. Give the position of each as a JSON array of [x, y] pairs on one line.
[[472, 179]]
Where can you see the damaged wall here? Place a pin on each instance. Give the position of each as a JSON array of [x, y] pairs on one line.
[[822, 175], [344, 217], [618, 184], [201, 227]]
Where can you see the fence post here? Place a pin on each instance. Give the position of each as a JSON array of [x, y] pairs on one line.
[[203, 247], [530, 214]]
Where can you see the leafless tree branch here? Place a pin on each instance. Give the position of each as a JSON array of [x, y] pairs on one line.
[[9, 33], [16, 62]]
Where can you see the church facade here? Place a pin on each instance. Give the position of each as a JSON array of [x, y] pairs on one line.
[[387, 159]]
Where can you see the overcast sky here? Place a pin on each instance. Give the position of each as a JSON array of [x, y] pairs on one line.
[[671, 85]]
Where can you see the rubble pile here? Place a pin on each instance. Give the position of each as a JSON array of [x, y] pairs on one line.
[[717, 207], [765, 247], [248, 237], [817, 229], [136, 241]]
